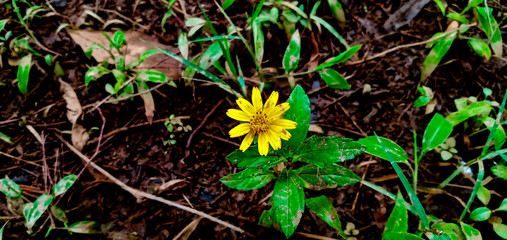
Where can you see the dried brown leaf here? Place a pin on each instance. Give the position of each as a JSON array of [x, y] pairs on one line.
[[185, 233], [79, 135], [169, 184], [137, 43], [149, 103]]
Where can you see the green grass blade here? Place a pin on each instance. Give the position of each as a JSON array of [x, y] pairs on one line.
[[209, 75], [24, 72], [417, 204], [332, 30], [223, 44], [217, 38]]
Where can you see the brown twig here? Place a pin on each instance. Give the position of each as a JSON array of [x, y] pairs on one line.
[[187, 151], [353, 121], [140, 194]]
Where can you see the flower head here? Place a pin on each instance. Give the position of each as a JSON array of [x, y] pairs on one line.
[[261, 120]]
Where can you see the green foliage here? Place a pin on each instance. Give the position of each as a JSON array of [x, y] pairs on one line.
[[248, 179], [5, 138], [480, 47], [324, 210], [33, 211], [436, 54], [344, 56], [334, 79], [437, 131], [291, 56], [398, 220], [499, 171], [24, 73], [374, 147], [480, 214], [10, 188], [470, 232], [288, 201], [319, 171], [491, 28], [425, 98], [64, 184]]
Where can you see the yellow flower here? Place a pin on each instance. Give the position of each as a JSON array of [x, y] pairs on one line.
[[261, 120]]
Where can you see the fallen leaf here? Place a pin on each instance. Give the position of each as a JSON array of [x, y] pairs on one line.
[[149, 103], [185, 233], [167, 185], [74, 108], [137, 43], [79, 134]]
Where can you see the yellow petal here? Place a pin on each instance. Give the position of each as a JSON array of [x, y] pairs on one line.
[[245, 105], [274, 140], [247, 141], [278, 111], [285, 135], [240, 130], [285, 123], [272, 100], [263, 144], [256, 99], [238, 115]]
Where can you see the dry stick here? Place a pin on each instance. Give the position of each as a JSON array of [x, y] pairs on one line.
[[410, 45], [352, 120], [187, 151], [140, 194]]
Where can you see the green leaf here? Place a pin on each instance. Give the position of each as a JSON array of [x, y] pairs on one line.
[[480, 214], [373, 147], [484, 195], [266, 218], [291, 56], [258, 36], [445, 155], [325, 211], [2, 231], [194, 24], [451, 231], [3, 23], [436, 54], [183, 45], [298, 112], [33, 211], [251, 159], [472, 4], [64, 184], [94, 73], [322, 151], [24, 72], [10, 188], [499, 171], [491, 28], [421, 101], [400, 236], [59, 214], [458, 17], [5, 138], [48, 59], [440, 5], [398, 220], [503, 206], [330, 176], [118, 39], [88, 52], [500, 230], [480, 47], [344, 56], [210, 56], [288, 202], [85, 227], [227, 4], [151, 76], [477, 108], [470, 232], [437, 131], [337, 11], [248, 179], [334, 79]]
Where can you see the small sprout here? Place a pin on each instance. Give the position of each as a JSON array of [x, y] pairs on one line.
[[487, 92], [451, 142], [472, 99], [445, 155]]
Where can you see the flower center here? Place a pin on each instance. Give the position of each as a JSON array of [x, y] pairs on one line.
[[259, 122]]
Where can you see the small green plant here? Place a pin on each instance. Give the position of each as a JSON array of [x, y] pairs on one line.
[[127, 77], [457, 28], [174, 125], [296, 162], [33, 211]]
